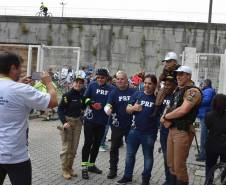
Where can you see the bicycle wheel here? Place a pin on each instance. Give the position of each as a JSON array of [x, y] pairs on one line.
[[39, 14], [217, 175], [49, 14]]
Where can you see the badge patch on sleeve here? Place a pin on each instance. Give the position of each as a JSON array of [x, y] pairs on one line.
[[191, 95]]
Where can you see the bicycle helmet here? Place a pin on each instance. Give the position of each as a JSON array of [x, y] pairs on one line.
[[102, 72]]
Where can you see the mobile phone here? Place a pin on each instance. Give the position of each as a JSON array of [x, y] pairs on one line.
[[36, 75]]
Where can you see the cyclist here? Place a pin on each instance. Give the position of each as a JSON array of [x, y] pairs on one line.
[[44, 9]]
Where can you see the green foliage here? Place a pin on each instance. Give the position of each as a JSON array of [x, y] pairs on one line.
[[70, 42], [190, 29], [24, 29], [142, 44], [69, 25], [50, 27], [49, 40], [80, 27], [94, 51]]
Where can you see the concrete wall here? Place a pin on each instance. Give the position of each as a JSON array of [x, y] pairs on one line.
[[130, 45]]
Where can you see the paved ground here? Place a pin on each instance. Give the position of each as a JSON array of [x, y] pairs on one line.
[[44, 150]]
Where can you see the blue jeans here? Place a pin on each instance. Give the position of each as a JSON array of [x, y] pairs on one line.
[[135, 138], [203, 136], [163, 141]]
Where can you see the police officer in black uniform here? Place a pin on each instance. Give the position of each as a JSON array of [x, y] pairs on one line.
[[70, 110]]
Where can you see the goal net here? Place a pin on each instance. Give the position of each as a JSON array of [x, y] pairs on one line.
[[61, 62]]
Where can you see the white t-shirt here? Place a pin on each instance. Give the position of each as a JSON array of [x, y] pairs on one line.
[[81, 73], [64, 73], [16, 102]]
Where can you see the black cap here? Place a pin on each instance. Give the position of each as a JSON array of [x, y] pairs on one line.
[[102, 72]]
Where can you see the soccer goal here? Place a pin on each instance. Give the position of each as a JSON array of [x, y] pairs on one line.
[[57, 57], [61, 62]]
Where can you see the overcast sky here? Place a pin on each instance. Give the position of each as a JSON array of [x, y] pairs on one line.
[[173, 10]]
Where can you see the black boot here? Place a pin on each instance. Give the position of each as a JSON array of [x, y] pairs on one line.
[[112, 174], [155, 111], [181, 183], [145, 181]]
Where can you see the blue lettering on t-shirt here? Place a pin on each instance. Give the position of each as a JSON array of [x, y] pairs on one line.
[[3, 101]]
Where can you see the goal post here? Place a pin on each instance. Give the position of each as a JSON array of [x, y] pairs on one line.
[[56, 57]]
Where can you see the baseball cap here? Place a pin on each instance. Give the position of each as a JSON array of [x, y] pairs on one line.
[[170, 78], [184, 69], [79, 78], [170, 56]]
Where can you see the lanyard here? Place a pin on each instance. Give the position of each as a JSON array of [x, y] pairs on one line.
[[5, 78]]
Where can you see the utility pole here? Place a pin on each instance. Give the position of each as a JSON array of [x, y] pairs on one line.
[[63, 4], [209, 26]]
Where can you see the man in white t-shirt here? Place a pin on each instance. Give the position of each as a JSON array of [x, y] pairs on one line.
[[16, 101]]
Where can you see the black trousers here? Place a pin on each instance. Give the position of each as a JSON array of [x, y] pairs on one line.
[[19, 174], [93, 134], [116, 141], [211, 160]]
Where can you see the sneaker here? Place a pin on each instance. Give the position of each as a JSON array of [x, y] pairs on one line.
[[102, 149], [85, 174], [124, 180], [94, 169], [112, 174]]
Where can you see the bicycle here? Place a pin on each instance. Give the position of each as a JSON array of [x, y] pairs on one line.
[[42, 14], [217, 175], [63, 85]]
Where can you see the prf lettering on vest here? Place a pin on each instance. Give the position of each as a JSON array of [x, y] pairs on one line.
[[102, 92], [123, 98], [146, 103]]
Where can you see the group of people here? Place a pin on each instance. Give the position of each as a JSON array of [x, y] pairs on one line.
[[169, 104]]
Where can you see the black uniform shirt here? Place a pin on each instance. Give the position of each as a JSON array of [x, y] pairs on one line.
[[71, 105]]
